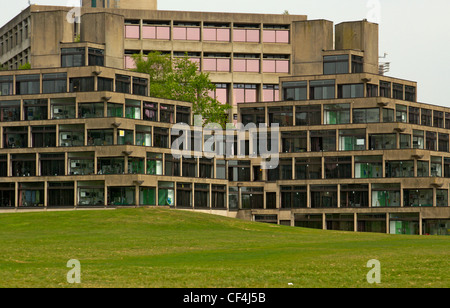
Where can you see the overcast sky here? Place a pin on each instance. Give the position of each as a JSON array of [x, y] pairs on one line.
[[414, 33]]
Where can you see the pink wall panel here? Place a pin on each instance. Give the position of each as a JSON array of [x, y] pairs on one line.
[[253, 36], [223, 35], [163, 33], [209, 64], [129, 62], [282, 66], [239, 65], [269, 36], [132, 32], [269, 66], [148, 32], [253, 66], [209, 34], [222, 96], [193, 34], [250, 95], [238, 35], [239, 96], [179, 33], [282, 36], [223, 65]]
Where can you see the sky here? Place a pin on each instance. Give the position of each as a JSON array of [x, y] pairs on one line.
[[415, 34]]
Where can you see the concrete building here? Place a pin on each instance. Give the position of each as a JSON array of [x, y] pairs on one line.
[[356, 150]]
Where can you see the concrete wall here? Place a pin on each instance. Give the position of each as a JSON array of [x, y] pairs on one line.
[[124, 4]]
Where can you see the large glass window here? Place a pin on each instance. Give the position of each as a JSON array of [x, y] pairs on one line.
[[7, 195], [150, 111], [23, 165], [61, 194], [54, 83], [436, 166], [28, 84], [367, 167], [172, 165], [121, 195], [96, 57], [147, 195], [400, 169], [183, 115], [43, 136], [9, 111], [123, 84], [418, 197], [293, 197], [431, 141], [189, 167], [351, 90], [71, 135], [335, 65], [144, 135], [81, 163], [383, 142], [323, 196], [369, 115], [105, 84], [252, 197], [161, 137], [352, 140], [52, 164], [35, 109], [253, 115], [414, 115], [81, 84], [154, 164], [140, 86], [281, 115], [114, 110], [132, 109], [238, 170], [15, 137], [294, 142], [91, 110], [31, 195], [184, 195], [62, 108], [322, 89], [385, 89], [6, 85], [201, 195], [385, 195], [338, 167], [110, 165], [426, 117], [397, 91], [308, 115], [218, 196], [71, 57], [136, 165], [356, 195], [336, 114], [323, 140], [295, 90], [98, 137], [166, 193], [91, 193], [418, 139], [166, 113], [308, 168]]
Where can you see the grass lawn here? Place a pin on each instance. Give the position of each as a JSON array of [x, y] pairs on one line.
[[168, 248]]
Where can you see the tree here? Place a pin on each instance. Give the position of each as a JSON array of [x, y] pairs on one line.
[[179, 79]]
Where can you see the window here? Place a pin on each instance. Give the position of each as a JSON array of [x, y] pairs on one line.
[[110, 165], [132, 29], [308, 168], [388, 115], [323, 196], [105, 84], [62, 108], [54, 83], [114, 110], [7, 194], [322, 89], [206, 168], [189, 167], [246, 63], [253, 115], [295, 90], [52, 164], [308, 115], [35, 109], [166, 193], [233, 198], [144, 135], [400, 169], [218, 196], [275, 63], [323, 140], [125, 137], [172, 165], [238, 170], [385, 195], [352, 140], [60, 194], [91, 110], [294, 142], [147, 195], [91, 193], [245, 93], [220, 93], [31, 195], [438, 119], [136, 165], [335, 65], [71, 135], [150, 111], [385, 89], [28, 84], [426, 117], [397, 91], [283, 116], [418, 197], [132, 109], [357, 64], [167, 113], [81, 163], [43, 136], [447, 120], [221, 169], [123, 84], [405, 141], [293, 197], [183, 115], [156, 30], [201, 196], [401, 113], [338, 167], [383, 142], [216, 62], [23, 164], [184, 195], [9, 111], [443, 142], [96, 57], [372, 90], [271, 93], [81, 84], [414, 115], [354, 195], [423, 168], [410, 93], [186, 31], [431, 141], [154, 164], [367, 167], [6, 85], [252, 197], [121, 196], [441, 197], [161, 137], [71, 57], [97, 137], [336, 114], [15, 137], [351, 90], [369, 115], [436, 166], [140, 86], [418, 139]]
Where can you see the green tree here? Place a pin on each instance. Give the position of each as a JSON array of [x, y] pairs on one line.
[[180, 79]]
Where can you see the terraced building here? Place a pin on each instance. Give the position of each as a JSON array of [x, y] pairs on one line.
[[356, 150]]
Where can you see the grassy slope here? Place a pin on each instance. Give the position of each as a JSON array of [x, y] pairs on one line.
[[168, 248]]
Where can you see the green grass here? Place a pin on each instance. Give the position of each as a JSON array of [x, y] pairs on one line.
[[168, 248]]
